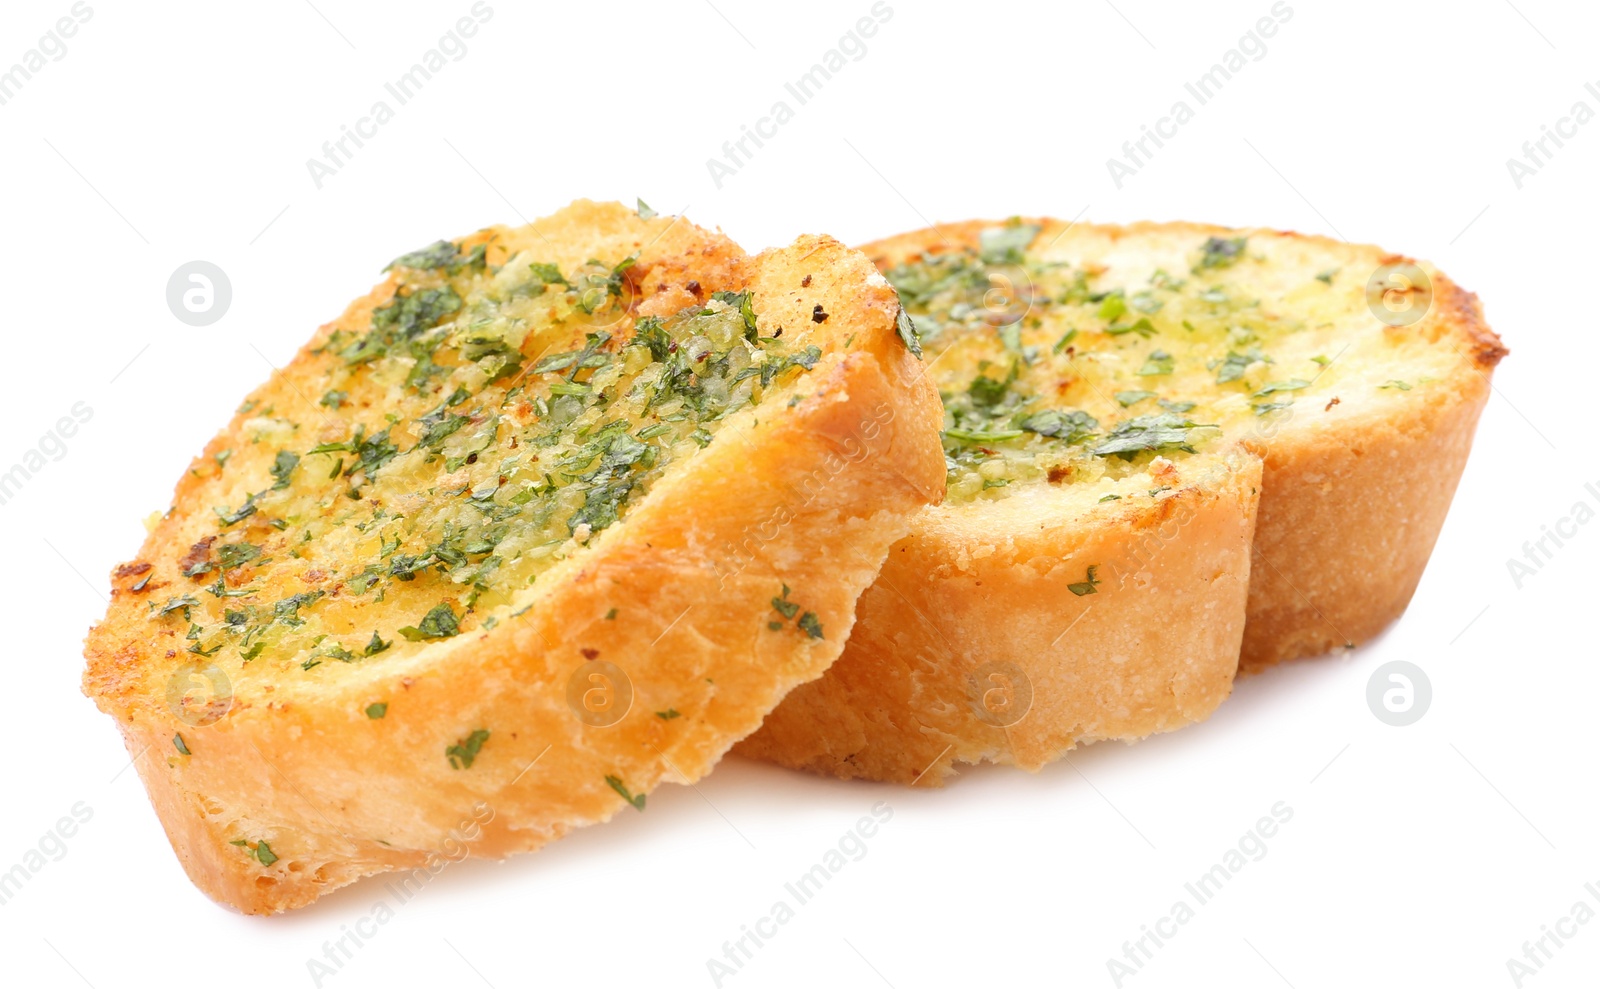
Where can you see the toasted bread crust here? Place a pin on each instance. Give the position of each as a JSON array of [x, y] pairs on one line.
[[678, 595], [1351, 503], [1349, 516], [973, 623]]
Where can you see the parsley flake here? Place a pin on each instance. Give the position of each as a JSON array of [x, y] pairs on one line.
[[1088, 585], [615, 782], [463, 753]]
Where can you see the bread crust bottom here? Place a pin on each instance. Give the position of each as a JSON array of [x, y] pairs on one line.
[[1347, 524], [997, 658]]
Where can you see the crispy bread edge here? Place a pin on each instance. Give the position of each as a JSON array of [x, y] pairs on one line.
[[961, 652]]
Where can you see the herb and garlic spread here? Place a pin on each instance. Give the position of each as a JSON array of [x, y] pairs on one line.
[[1062, 369], [486, 423]]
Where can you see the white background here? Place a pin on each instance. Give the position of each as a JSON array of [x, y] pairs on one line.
[[1418, 856]]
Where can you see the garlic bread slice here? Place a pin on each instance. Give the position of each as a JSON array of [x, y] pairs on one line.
[[1100, 382], [552, 516]]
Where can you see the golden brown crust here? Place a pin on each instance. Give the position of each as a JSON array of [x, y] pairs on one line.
[[1349, 518], [973, 647], [1351, 503], [809, 494]]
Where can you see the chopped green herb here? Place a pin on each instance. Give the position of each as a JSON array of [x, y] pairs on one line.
[[282, 467], [1220, 252], [439, 623], [1293, 384], [231, 555], [1147, 433], [1073, 426], [986, 391], [287, 611], [784, 606], [616, 784], [435, 255], [1232, 367], [1143, 327], [1145, 302], [230, 516], [1089, 584], [1266, 407], [907, 331], [378, 710], [260, 851], [1005, 245], [182, 603], [463, 753], [1159, 362], [982, 436], [402, 321], [179, 744], [644, 210], [549, 274], [741, 302], [810, 624], [668, 714]]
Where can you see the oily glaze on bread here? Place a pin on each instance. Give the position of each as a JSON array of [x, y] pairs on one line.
[[1355, 377], [376, 620]]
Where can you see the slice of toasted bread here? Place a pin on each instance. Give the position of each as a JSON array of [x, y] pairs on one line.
[[553, 515], [1080, 363]]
